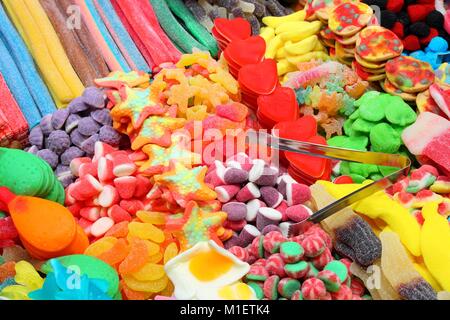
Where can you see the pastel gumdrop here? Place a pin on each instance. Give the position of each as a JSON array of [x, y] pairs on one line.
[[226, 192], [298, 213], [267, 216], [271, 196], [236, 211], [253, 208], [235, 176], [248, 192]]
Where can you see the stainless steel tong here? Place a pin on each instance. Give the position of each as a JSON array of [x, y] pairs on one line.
[[401, 162]]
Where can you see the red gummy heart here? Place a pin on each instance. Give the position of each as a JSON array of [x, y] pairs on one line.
[[300, 129], [218, 36], [233, 29], [260, 78], [312, 166], [247, 51], [280, 105]]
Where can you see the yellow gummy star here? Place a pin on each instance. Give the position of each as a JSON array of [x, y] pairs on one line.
[[186, 184]]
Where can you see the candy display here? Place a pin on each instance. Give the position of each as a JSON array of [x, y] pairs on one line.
[[224, 150]]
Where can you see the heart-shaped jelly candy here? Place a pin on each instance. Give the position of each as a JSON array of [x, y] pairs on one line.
[[310, 165], [233, 29], [260, 78], [300, 129], [280, 105], [247, 51]]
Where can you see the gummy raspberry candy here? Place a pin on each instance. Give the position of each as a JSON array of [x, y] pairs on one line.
[[49, 156], [59, 118], [77, 105], [46, 125], [357, 241], [36, 137], [102, 116], [70, 154], [58, 141], [93, 97], [110, 136], [88, 145], [87, 126]]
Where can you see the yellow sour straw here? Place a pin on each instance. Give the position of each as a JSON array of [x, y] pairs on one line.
[[44, 45]]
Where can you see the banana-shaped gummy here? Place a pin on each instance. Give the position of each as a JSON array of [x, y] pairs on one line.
[[300, 34], [267, 34], [274, 22], [272, 47], [293, 25], [308, 56], [302, 47], [284, 66], [435, 243]]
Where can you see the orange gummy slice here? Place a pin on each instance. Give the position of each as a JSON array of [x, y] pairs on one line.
[[43, 224], [136, 258], [7, 270], [152, 217], [116, 254], [119, 230], [153, 248], [156, 258], [130, 294]]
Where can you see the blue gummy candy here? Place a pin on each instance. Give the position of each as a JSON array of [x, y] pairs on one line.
[[437, 44]]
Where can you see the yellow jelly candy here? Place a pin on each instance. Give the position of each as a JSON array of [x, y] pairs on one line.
[[146, 231], [276, 21], [100, 246], [149, 272], [308, 57], [152, 217], [27, 276], [191, 58], [226, 80], [435, 243], [15, 292], [272, 47], [267, 34], [300, 34], [156, 258], [292, 25], [303, 46], [284, 66], [197, 113], [146, 286], [170, 252], [153, 248], [281, 53]]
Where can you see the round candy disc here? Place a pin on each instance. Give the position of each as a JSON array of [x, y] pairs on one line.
[[409, 74], [348, 18], [378, 44]]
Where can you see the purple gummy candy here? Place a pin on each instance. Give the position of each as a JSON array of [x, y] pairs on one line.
[[235, 176], [87, 126], [77, 105], [46, 124], [233, 241], [271, 196], [62, 170], [58, 141], [268, 177], [102, 116], [283, 181], [59, 117], [253, 208], [49, 156], [72, 122], [248, 233], [70, 154], [270, 228], [66, 180], [94, 97], [36, 137], [267, 216], [77, 138], [33, 150], [236, 211], [110, 136], [88, 145]]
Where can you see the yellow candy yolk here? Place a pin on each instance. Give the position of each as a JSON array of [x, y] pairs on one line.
[[209, 265], [239, 291]]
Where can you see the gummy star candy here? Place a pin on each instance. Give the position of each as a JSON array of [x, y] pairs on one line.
[[136, 105], [210, 94], [198, 113], [66, 284], [191, 58], [157, 130], [196, 225], [180, 94], [159, 158], [186, 184], [118, 79]]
